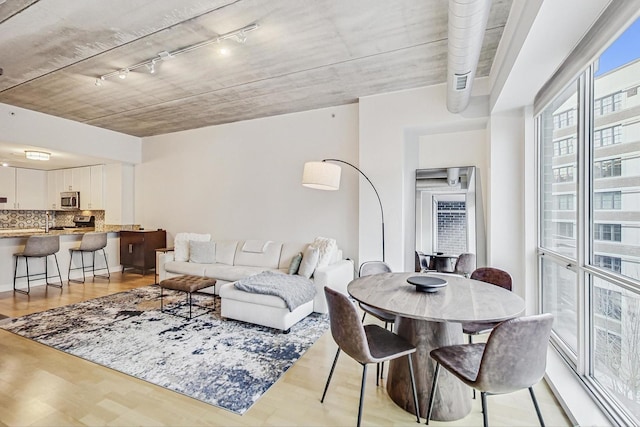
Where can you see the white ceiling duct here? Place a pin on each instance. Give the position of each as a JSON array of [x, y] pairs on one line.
[[467, 24]]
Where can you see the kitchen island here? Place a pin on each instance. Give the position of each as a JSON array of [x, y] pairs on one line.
[[13, 241]]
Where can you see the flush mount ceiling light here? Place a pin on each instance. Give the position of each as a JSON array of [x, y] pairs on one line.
[[239, 36], [37, 155]]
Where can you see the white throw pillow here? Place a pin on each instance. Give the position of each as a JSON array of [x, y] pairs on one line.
[[309, 261], [202, 252], [328, 247], [181, 244]]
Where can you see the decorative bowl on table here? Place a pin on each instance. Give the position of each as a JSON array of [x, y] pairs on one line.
[[427, 283]]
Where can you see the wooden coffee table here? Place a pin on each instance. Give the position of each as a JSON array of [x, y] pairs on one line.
[[189, 284]]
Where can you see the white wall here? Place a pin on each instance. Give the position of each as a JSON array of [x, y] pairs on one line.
[[243, 180], [390, 126], [21, 126]]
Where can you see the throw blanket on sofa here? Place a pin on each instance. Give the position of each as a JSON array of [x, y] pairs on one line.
[[293, 289]]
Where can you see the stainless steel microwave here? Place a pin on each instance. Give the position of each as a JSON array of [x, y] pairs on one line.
[[70, 200]]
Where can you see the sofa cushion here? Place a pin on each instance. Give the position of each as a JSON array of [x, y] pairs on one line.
[[295, 264], [202, 252], [226, 251], [229, 291], [231, 273], [181, 267], [181, 244], [328, 247], [309, 261], [289, 250], [269, 258]]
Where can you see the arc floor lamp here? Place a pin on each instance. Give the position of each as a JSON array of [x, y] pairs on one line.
[[326, 176]]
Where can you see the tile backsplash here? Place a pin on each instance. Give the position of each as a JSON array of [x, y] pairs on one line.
[[36, 219]]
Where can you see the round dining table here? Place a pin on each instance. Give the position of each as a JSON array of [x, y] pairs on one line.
[[430, 320]]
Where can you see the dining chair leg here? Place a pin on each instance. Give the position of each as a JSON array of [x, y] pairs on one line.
[[363, 316], [364, 381], [535, 403], [413, 387], [433, 391], [378, 374], [326, 387], [485, 416], [473, 390]]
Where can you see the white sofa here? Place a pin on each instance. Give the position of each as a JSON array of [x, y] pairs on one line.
[[234, 262]]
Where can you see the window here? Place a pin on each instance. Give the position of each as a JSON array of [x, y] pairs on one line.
[[565, 229], [607, 104], [607, 136], [607, 168], [565, 202], [563, 146], [607, 200], [589, 276], [564, 119], [608, 262], [563, 174], [610, 232]]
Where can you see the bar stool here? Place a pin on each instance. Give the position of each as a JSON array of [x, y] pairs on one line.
[[38, 247], [91, 242]]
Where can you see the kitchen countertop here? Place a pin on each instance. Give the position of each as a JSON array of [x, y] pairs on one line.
[[6, 233]]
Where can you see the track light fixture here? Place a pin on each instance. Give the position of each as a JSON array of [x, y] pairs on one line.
[[239, 36]]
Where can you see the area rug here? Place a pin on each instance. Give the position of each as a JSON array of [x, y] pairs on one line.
[[228, 364]]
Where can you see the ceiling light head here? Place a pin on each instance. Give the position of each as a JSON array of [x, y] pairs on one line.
[[37, 155], [224, 51], [123, 73], [241, 37], [5, 164], [99, 81], [151, 66], [164, 55]]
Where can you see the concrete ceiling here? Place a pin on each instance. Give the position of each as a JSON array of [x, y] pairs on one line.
[[306, 54]]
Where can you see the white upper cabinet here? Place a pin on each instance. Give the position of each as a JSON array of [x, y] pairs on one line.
[[7, 188], [87, 180], [24, 189], [97, 188], [31, 189]]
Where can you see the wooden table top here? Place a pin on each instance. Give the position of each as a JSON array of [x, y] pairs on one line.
[[462, 300]]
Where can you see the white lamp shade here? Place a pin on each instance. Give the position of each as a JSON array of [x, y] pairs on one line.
[[321, 176]]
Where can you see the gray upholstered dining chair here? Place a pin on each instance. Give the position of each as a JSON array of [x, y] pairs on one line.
[[37, 246], [465, 264], [513, 358], [364, 343], [497, 277], [90, 243], [366, 269]]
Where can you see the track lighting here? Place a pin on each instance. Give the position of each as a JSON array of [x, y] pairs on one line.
[[239, 36]]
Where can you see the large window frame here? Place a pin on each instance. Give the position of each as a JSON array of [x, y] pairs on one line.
[[587, 265]]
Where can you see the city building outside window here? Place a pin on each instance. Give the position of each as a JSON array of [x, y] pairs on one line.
[[563, 174], [563, 147], [607, 136], [607, 200]]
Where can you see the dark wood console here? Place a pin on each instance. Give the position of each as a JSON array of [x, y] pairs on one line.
[[138, 248]]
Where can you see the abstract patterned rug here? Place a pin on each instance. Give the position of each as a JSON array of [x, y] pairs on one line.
[[224, 363]]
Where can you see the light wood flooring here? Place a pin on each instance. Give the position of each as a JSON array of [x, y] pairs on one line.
[[43, 386]]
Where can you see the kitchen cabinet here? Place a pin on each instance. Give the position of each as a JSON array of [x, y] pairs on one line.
[[31, 189], [7, 188], [94, 189], [138, 248], [87, 180], [23, 189]]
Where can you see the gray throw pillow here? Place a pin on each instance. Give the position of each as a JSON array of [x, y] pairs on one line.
[[202, 252], [309, 261], [295, 263]]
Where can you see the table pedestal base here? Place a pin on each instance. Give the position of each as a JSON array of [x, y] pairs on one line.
[[453, 398]]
